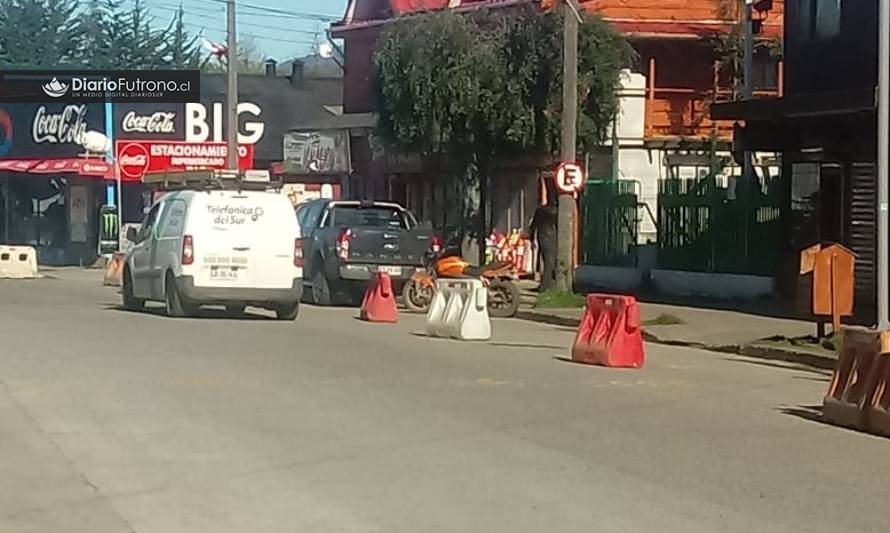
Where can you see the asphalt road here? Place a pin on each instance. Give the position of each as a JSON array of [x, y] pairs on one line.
[[120, 422]]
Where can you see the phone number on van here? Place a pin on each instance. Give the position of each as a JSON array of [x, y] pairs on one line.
[[216, 260]]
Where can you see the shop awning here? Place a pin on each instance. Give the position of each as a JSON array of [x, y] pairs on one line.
[[82, 167]]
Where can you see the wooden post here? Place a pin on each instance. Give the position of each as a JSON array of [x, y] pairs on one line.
[[651, 96], [577, 235], [835, 312], [781, 78], [564, 227]]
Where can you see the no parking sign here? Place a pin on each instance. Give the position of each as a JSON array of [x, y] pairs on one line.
[[569, 178]]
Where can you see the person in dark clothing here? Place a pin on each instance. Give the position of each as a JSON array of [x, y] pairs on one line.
[[543, 227]]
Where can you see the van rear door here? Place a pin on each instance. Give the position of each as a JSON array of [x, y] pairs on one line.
[[244, 239]]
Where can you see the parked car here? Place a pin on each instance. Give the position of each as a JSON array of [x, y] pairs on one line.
[[216, 247], [346, 242]]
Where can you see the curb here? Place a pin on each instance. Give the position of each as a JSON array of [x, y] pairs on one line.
[[758, 351], [532, 316]]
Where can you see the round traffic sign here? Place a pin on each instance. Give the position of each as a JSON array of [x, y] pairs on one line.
[[569, 178]]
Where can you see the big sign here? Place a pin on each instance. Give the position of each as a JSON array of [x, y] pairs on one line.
[[135, 159], [569, 178]]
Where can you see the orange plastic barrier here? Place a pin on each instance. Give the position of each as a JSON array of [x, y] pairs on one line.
[[877, 411], [379, 303], [610, 333], [852, 385], [114, 269]]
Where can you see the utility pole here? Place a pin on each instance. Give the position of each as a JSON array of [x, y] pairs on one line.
[[565, 220], [883, 166], [747, 94], [232, 86]]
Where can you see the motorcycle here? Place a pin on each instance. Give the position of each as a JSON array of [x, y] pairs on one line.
[[503, 293]]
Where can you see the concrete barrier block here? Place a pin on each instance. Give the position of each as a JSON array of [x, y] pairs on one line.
[[618, 279], [18, 262], [712, 285]]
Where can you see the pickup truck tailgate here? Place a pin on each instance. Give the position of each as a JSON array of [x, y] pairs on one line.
[[388, 246]]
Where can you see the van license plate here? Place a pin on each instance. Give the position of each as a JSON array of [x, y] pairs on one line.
[[392, 271], [224, 274]]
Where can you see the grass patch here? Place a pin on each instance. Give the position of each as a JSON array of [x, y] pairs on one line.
[[554, 299], [664, 320], [829, 346]]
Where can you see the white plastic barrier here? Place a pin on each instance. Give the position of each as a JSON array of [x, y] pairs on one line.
[[18, 262], [459, 311]]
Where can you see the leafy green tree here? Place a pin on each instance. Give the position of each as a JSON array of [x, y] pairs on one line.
[[37, 33], [476, 87]]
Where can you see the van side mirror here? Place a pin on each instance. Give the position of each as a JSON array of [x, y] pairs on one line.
[[132, 235]]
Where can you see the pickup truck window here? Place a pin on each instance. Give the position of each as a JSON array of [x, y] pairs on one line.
[[307, 215], [369, 217]]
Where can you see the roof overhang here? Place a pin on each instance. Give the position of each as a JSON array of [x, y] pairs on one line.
[[94, 168], [798, 106], [349, 121]]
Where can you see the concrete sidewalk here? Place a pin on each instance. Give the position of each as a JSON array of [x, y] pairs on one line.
[[717, 330]]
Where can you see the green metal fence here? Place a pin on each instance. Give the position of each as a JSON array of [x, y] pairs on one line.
[[609, 223], [706, 227]]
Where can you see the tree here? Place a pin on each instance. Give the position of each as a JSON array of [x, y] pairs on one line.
[[37, 33], [115, 38], [478, 86], [250, 59], [181, 50]]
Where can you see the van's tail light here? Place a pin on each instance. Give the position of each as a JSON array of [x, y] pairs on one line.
[[298, 253], [436, 244], [343, 242], [188, 250]]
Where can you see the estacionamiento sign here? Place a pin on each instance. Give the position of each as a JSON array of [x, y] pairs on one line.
[[137, 158], [100, 85]]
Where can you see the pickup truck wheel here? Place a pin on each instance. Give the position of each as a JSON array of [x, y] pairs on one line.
[[321, 289], [287, 311]]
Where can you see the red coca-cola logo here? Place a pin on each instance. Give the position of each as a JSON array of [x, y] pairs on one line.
[[133, 160]]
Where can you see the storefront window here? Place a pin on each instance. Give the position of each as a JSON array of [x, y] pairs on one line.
[[819, 19], [36, 211], [828, 18]]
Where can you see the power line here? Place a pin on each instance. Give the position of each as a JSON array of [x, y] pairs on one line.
[[251, 24], [260, 37], [284, 13]]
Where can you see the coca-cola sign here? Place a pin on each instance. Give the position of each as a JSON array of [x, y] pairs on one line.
[[49, 130], [132, 159], [159, 122], [149, 121], [60, 127]]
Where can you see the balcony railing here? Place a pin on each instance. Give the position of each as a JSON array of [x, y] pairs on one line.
[[685, 112]]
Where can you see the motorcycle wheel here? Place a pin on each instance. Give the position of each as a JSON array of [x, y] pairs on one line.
[[417, 297], [503, 298]]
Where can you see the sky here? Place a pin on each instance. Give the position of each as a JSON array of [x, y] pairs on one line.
[[282, 29]]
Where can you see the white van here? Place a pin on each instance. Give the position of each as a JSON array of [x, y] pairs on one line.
[[216, 247]]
